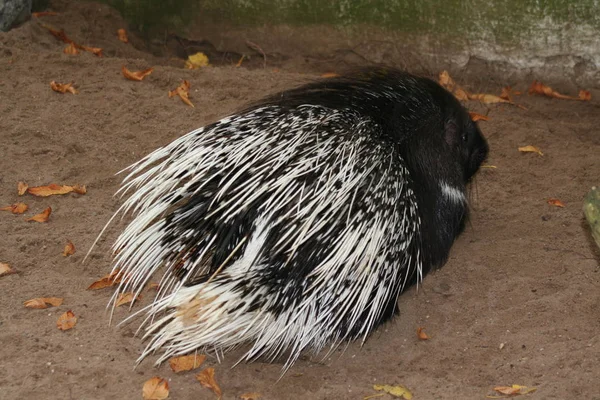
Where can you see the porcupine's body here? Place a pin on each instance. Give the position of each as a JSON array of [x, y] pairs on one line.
[[296, 223]]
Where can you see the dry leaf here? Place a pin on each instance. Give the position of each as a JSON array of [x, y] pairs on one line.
[[122, 35], [44, 14], [41, 217], [111, 279], [153, 285], [207, 379], [478, 117], [396, 391], [66, 321], [239, 63], [42, 302], [541, 89], [487, 98], [69, 249], [125, 298], [250, 396], [421, 334], [448, 83], [54, 189], [556, 202], [489, 166], [94, 50], [507, 93], [71, 49], [136, 76], [5, 269], [186, 363], [182, 91], [197, 60], [155, 388], [511, 391], [63, 87], [60, 35], [17, 208], [329, 75], [22, 188], [530, 149]]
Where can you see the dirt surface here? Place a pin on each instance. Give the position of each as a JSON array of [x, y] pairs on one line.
[[517, 303]]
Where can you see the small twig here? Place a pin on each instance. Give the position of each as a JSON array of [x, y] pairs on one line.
[[256, 47]]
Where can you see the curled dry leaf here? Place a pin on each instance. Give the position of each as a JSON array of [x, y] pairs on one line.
[[71, 49], [97, 51], [556, 203], [155, 388], [530, 149], [60, 35], [239, 63], [17, 208], [250, 396], [544, 90], [111, 279], [182, 91], [329, 75], [196, 61], [207, 379], [126, 298], [54, 189], [137, 75], [22, 188], [478, 117], [507, 93], [44, 14], [41, 217], [448, 83], [396, 391], [63, 87], [421, 334], [42, 302], [69, 249], [186, 363], [5, 269], [66, 321], [122, 35]]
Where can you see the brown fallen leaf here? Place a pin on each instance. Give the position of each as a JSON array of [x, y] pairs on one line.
[[153, 285], [71, 49], [186, 363], [396, 391], [507, 93], [182, 91], [329, 75], [448, 83], [22, 188], [63, 87], [137, 75], [69, 249], [41, 217], [42, 302], [487, 98], [44, 14], [544, 90], [207, 379], [126, 298], [97, 51], [530, 149], [54, 189], [239, 63], [556, 202], [250, 396], [122, 35], [478, 117], [111, 279], [155, 388], [421, 334], [511, 391], [5, 269], [66, 321], [60, 35], [17, 208]]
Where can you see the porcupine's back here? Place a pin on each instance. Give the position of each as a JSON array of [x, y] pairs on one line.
[[292, 225]]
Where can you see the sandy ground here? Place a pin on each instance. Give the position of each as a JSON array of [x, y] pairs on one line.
[[517, 303]]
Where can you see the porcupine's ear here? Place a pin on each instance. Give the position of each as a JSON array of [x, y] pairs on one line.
[[452, 133]]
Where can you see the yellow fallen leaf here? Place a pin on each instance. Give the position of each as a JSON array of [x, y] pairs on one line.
[[530, 149], [207, 379], [489, 166], [22, 188], [69, 249], [250, 396], [511, 391], [17, 208], [186, 363], [41, 217], [5, 269], [396, 391], [42, 302], [155, 388], [66, 321], [197, 60]]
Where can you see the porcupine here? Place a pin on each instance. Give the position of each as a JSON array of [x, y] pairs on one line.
[[296, 223]]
